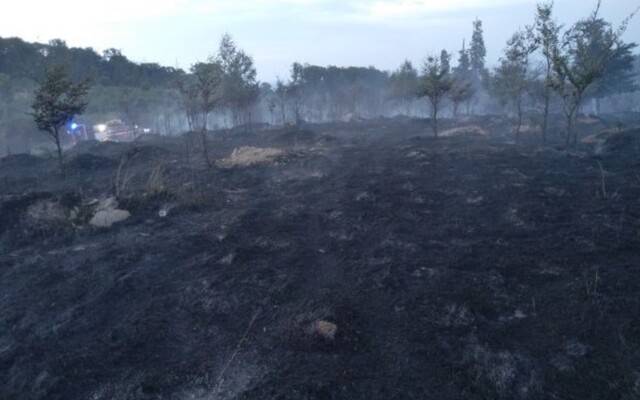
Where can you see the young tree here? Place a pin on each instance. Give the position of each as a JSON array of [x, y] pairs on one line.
[[131, 104], [512, 76], [403, 85], [57, 101], [208, 81], [169, 106], [618, 75], [436, 84], [281, 93], [463, 69], [477, 52], [463, 90], [188, 96], [240, 89], [582, 59], [295, 89], [268, 101], [208, 88], [546, 31]]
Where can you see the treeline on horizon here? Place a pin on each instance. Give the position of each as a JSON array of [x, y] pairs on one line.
[[25, 60], [223, 92]]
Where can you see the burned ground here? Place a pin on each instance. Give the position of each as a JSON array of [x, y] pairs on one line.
[[465, 267]]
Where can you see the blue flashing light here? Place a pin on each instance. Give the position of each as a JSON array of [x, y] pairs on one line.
[[73, 126]]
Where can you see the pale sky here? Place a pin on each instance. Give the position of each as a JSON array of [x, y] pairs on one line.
[[380, 33]]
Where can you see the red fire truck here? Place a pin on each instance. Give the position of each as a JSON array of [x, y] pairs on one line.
[[115, 131]]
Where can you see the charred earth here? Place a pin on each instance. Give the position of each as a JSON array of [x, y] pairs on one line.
[[361, 260]]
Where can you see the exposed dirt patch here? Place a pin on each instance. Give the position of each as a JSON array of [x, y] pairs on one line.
[[470, 130], [246, 155]]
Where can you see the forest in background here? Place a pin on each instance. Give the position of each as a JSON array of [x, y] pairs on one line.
[[224, 93]]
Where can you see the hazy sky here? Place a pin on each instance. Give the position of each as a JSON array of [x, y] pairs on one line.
[[276, 33]]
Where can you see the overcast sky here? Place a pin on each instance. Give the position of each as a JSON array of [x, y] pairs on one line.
[[380, 33]]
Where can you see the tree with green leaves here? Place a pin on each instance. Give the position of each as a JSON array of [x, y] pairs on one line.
[[208, 88], [477, 52], [208, 81], [57, 101], [269, 101], [436, 83], [240, 90], [582, 58], [403, 85], [463, 69], [546, 36], [511, 78], [463, 89], [295, 89], [281, 94], [618, 75], [185, 84], [131, 105]]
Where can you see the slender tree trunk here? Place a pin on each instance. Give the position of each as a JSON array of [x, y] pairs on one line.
[[168, 129], [282, 110], [545, 115], [187, 147], [434, 117], [547, 101], [519, 125], [56, 137], [203, 137], [205, 150], [296, 110], [569, 132], [190, 121], [569, 129], [576, 112]]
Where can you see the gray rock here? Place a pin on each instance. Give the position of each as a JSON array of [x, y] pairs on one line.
[[106, 218]]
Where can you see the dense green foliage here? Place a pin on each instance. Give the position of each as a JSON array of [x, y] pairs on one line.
[[20, 59], [436, 83], [57, 101]]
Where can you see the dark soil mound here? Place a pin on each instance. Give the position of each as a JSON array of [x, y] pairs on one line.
[[96, 147], [21, 161], [625, 143], [300, 137], [87, 161]]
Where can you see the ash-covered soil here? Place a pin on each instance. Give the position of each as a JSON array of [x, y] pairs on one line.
[[349, 261]]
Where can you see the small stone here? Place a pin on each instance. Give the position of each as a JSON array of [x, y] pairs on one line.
[[552, 191], [227, 260], [475, 200], [110, 203], [325, 329], [519, 315], [573, 348], [106, 218], [363, 196]]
